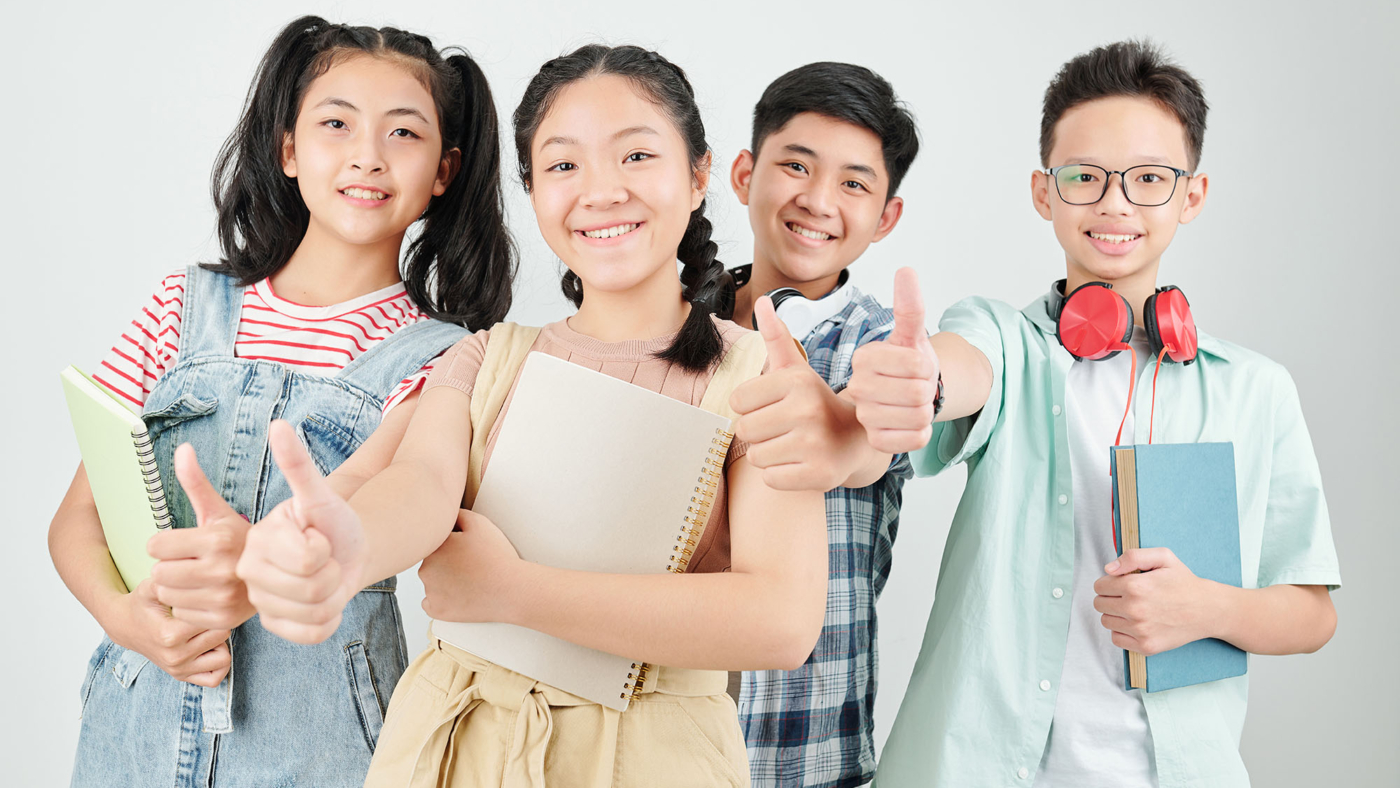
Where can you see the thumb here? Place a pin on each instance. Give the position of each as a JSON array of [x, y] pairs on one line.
[[782, 348], [1141, 560], [309, 488], [204, 499], [909, 330]]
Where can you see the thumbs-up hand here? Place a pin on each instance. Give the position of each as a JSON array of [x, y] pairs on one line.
[[894, 382], [799, 432], [302, 562], [194, 572]]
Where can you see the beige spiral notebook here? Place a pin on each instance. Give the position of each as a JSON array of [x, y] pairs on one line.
[[595, 474]]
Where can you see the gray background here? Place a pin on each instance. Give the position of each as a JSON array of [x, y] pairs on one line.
[[113, 115]]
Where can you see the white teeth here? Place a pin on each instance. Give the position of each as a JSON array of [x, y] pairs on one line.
[[611, 232], [364, 194], [805, 233], [1113, 239]]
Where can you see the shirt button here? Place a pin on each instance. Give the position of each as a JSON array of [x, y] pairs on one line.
[[1057, 593], [1064, 499], [1023, 772], [1055, 410], [1045, 685]]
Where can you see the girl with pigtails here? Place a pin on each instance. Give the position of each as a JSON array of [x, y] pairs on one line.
[[612, 152], [349, 136]]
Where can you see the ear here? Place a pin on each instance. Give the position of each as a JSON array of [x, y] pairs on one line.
[[701, 182], [448, 168], [894, 209], [1195, 198], [289, 156], [1040, 194], [740, 173]]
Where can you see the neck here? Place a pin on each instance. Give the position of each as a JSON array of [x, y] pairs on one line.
[[765, 278], [1135, 287], [653, 308], [326, 270]]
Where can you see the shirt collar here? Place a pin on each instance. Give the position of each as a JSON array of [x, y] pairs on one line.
[[1038, 312]]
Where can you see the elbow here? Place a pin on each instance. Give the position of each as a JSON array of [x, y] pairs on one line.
[[795, 641], [1324, 629]]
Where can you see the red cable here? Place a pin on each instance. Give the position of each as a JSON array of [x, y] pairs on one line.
[[1132, 384], [1152, 414]]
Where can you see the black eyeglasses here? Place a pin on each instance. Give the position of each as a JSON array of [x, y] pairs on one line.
[[1146, 185]]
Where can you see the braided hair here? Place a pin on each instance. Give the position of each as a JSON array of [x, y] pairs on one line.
[[706, 285]]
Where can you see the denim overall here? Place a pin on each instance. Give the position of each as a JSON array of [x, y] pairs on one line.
[[286, 714]]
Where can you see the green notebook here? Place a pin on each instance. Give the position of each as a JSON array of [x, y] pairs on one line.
[[121, 469]]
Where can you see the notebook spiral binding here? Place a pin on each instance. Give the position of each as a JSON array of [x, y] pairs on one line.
[[697, 514], [150, 474]]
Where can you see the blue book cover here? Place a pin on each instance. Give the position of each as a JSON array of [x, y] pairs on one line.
[[1186, 502]]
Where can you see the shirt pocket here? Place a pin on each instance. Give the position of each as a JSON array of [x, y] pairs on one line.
[[363, 693]]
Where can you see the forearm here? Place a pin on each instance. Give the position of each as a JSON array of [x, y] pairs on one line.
[[1282, 619], [79, 552], [407, 511], [717, 621], [967, 376]]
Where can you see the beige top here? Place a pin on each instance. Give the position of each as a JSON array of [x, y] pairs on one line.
[[633, 361]]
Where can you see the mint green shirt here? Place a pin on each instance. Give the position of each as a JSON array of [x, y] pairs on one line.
[[979, 704]]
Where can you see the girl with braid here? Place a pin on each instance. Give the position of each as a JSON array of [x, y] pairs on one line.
[[612, 151]]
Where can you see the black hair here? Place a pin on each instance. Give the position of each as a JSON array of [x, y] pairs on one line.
[[851, 94], [1126, 68], [707, 286], [460, 268]]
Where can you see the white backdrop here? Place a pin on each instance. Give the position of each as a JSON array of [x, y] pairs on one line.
[[113, 114]]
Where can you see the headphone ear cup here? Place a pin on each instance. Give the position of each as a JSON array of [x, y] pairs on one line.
[[1095, 322], [1149, 322], [1172, 324]]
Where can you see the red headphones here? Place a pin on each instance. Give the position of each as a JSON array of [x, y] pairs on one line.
[[1094, 323]]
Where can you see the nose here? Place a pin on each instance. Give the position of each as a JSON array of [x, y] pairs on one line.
[[818, 198], [601, 188], [1115, 200], [367, 156]]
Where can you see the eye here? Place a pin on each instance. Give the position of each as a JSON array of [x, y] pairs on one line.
[[856, 185], [795, 166], [638, 156], [563, 166], [334, 123], [1149, 177], [404, 133], [1083, 177]]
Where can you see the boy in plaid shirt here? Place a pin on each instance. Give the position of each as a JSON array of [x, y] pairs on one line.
[[831, 143]]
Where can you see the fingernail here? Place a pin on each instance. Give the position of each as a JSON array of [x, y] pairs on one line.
[[1113, 567]]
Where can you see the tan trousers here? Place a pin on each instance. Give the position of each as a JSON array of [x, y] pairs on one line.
[[457, 721]]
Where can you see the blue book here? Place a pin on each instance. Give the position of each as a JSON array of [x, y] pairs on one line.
[[1180, 496]]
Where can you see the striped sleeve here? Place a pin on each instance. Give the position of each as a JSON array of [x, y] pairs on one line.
[[409, 385], [148, 346]]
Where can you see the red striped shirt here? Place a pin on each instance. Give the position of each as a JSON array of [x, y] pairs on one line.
[[315, 340]]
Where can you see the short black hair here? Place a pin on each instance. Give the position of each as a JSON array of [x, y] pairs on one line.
[[844, 92], [1126, 68]]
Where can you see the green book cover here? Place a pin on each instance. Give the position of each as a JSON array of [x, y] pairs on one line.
[[121, 469]]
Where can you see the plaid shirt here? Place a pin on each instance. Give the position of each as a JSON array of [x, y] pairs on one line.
[[813, 726]]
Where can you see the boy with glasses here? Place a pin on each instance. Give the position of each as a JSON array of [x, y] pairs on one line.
[[1020, 679]]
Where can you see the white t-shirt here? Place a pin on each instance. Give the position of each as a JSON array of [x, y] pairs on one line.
[[1099, 737]]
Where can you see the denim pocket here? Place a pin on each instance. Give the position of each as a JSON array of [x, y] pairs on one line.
[[182, 409], [99, 656], [328, 443], [363, 694]]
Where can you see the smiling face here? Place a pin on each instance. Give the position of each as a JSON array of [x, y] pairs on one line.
[[1114, 240], [367, 151], [816, 198], [612, 185]]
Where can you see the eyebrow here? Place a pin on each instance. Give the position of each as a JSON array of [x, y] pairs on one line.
[[627, 132], [393, 113], [803, 150], [1096, 162]]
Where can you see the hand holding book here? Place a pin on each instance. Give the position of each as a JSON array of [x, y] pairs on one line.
[[302, 563], [470, 578], [1152, 602]]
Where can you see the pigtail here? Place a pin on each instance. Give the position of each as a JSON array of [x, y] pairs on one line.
[[462, 266], [261, 216], [710, 290]]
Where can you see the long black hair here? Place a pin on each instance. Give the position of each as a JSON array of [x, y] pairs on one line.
[[461, 266], [706, 285]]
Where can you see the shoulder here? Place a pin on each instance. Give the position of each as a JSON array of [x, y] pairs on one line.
[[730, 332], [1243, 365]]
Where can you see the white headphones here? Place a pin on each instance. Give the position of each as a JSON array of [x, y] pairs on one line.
[[800, 314]]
